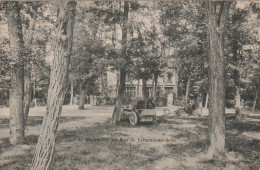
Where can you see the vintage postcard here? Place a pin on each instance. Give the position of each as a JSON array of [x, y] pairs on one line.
[[118, 85]]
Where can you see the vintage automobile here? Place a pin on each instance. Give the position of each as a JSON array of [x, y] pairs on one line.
[[186, 110], [140, 110]]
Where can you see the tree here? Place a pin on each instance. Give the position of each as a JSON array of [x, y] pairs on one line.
[[122, 73], [28, 31], [185, 40], [235, 61], [17, 73], [243, 38], [216, 26], [27, 15], [145, 46], [58, 85], [89, 59]]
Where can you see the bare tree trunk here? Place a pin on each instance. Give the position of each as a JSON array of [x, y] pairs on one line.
[[199, 109], [187, 90], [27, 69], [152, 93], [206, 102], [120, 95], [27, 91], [122, 77], [71, 93], [138, 87], [103, 85], [255, 100], [155, 86], [163, 85], [17, 73], [145, 91], [58, 86], [82, 96], [238, 104], [176, 83], [216, 78], [236, 76], [34, 92]]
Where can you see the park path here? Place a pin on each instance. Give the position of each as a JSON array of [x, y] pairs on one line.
[[77, 118], [71, 118]]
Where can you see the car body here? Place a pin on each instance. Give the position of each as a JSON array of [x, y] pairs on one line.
[[140, 110], [186, 110]]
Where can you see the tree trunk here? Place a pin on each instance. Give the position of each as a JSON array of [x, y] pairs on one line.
[[28, 39], [163, 85], [206, 102], [82, 97], [120, 95], [27, 91], [17, 74], [238, 104], [255, 100], [34, 92], [236, 75], [200, 106], [138, 87], [216, 79], [176, 83], [103, 85], [145, 91], [58, 86], [71, 93], [155, 87], [122, 77], [152, 93], [187, 91]]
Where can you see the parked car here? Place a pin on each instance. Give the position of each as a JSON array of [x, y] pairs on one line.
[[186, 110], [140, 110]]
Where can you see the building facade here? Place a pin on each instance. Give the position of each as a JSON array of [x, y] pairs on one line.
[[133, 88]]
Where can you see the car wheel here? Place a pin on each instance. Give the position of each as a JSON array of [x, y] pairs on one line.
[[182, 113], [133, 118]]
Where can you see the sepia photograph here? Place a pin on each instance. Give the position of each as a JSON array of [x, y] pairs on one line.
[[129, 85]]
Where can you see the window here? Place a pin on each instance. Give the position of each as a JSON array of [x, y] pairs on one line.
[[130, 91]]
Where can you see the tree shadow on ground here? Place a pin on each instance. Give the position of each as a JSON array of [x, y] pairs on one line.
[[32, 121], [248, 148], [37, 120], [80, 134], [243, 126], [74, 148], [21, 162], [29, 140]]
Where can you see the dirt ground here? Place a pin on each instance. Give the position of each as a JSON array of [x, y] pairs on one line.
[[86, 140]]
